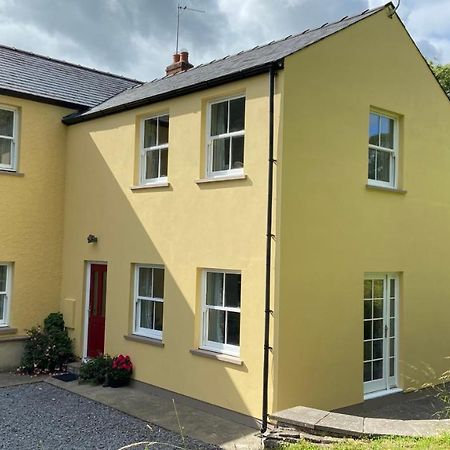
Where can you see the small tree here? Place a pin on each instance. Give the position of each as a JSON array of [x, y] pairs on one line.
[[442, 72]]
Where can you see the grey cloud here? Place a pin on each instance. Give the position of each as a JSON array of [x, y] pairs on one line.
[[137, 37], [429, 50]]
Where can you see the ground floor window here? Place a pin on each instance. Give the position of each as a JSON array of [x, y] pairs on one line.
[[221, 315], [380, 332], [149, 301], [5, 281]]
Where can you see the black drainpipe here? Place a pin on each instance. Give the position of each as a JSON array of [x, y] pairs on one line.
[[269, 236]]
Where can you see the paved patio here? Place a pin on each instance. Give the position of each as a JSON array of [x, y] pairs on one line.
[[420, 405]]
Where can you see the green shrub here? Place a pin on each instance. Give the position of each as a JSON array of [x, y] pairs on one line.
[[96, 370], [54, 322], [48, 349]]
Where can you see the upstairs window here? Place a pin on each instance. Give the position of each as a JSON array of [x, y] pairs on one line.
[[225, 153], [221, 323], [8, 138], [155, 149], [149, 301], [383, 150]]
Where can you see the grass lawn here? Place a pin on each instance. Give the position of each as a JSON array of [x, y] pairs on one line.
[[431, 443]]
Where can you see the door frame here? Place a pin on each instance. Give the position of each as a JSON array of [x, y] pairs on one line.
[[395, 388], [88, 265]]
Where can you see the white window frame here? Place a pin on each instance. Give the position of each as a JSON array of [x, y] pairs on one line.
[[137, 330], [209, 141], [14, 139], [393, 174], [4, 322], [227, 349], [388, 383], [144, 150]]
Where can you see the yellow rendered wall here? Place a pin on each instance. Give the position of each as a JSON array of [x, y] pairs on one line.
[[185, 227], [31, 213], [334, 229]]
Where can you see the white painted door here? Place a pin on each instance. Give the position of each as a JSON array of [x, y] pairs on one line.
[[380, 332]]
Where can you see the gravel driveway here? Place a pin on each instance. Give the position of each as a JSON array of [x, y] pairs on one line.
[[44, 417]]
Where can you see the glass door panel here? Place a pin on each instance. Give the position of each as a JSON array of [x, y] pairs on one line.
[[380, 302]]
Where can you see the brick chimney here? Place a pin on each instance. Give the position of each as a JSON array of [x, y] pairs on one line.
[[180, 63]]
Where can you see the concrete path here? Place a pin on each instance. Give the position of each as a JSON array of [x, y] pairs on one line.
[[12, 379], [160, 411]]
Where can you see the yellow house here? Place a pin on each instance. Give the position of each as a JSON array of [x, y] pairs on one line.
[[263, 231]]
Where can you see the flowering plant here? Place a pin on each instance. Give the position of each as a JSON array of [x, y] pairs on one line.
[[121, 370]]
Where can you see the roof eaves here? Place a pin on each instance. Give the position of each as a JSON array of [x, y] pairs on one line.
[[44, 99], [83, 117]]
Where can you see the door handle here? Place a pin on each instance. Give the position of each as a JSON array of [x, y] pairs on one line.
[[385, 331]]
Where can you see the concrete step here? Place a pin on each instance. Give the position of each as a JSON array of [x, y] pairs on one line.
[[74, 367], [318, 422]]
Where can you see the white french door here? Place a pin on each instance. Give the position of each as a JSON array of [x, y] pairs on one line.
[[380, 332]]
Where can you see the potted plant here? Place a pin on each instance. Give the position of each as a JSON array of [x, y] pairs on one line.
[[120, 372], [96, 370]]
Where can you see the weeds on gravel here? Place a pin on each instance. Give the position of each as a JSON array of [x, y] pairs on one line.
[[149, 444]]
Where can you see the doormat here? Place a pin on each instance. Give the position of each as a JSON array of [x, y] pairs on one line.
[[65, 377]]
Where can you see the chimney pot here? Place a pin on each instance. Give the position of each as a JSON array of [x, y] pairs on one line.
[[180, 63], [184, 56]]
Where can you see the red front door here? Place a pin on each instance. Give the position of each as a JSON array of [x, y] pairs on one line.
[[97, 305]]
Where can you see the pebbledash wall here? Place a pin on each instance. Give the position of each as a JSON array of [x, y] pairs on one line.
[[31, 221], [334, 229], [185, 227]]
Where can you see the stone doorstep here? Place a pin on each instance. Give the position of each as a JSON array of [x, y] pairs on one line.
[[344, 425], [74, 367]]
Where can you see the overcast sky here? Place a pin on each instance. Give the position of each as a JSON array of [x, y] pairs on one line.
[[137, 37]]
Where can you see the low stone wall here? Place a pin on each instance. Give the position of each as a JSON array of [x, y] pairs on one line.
[[11, 350]]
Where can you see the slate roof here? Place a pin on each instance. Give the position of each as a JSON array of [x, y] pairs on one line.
[[243, 64], [50, 80]]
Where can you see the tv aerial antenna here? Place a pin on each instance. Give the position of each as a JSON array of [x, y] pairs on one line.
[[180, 10]]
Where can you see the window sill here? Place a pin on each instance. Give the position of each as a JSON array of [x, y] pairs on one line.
[[12, 173], [144, 187], [218, 356], [7, 330], [217, 179], [386, 189], [144, 340]]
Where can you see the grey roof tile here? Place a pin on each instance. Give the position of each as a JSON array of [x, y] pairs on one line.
[[27, 74], [198, 77]]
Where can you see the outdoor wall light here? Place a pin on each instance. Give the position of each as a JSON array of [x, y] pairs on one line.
[[92, 239]]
